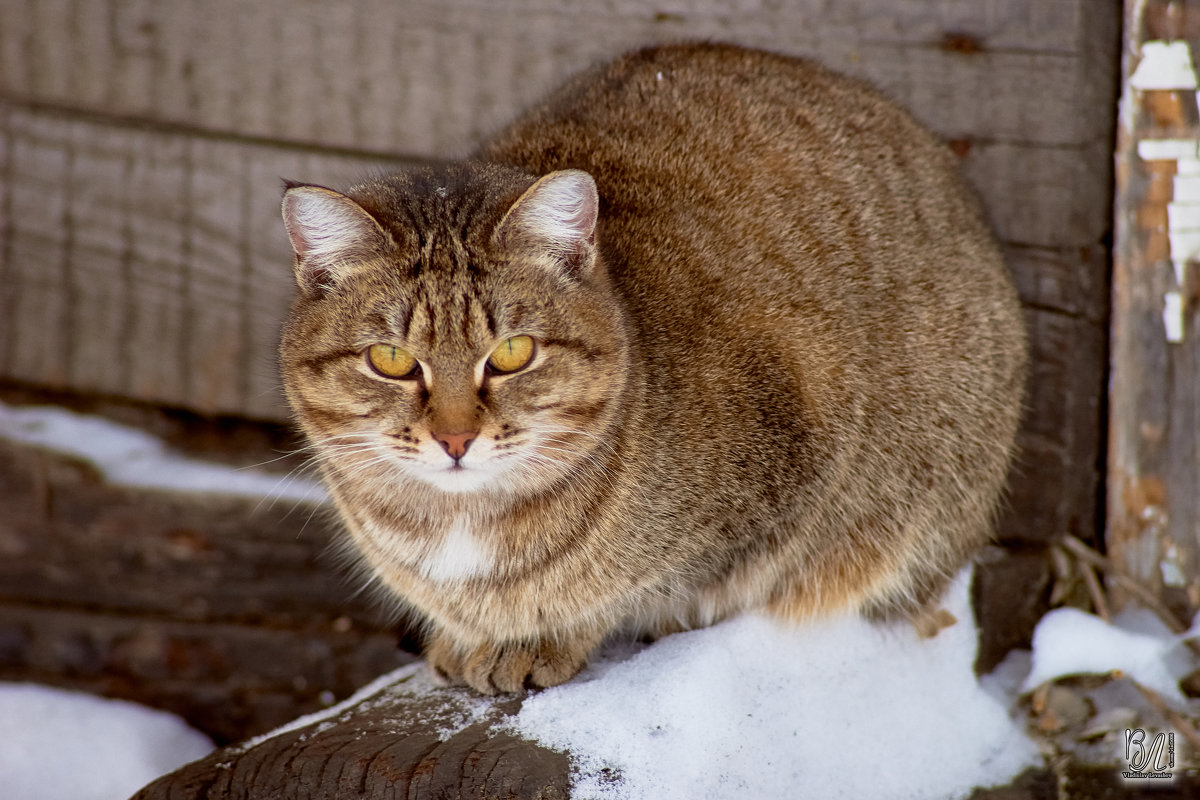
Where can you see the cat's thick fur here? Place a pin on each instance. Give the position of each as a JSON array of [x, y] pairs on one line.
[[778, 363]]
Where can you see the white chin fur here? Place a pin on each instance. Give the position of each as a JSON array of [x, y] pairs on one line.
[[457, 481]]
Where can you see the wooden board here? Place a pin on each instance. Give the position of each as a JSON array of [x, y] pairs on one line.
[[1154, 442], [428, 79], [151, 263], [222, 610], [147, 263]]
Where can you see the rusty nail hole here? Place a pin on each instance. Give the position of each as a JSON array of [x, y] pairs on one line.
[[960, 147], [963, 43]]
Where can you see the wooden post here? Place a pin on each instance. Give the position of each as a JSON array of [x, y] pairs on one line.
[[1154, 435]]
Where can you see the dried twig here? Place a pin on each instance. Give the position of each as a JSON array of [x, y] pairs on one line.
[[1129, 584], [1180, 723], [1099, 599]]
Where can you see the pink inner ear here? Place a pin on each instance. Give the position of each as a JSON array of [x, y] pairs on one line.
[[559, 211], [297, 233], [328, 232]]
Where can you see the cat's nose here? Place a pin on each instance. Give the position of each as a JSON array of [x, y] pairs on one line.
[[455, 444]]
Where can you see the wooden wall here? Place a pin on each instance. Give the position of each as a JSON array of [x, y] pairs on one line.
[[142, 144]]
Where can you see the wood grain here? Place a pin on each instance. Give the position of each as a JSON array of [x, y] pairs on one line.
[[393, 744], [147, 263], [428, 79]]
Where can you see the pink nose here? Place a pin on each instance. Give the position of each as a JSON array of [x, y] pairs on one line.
[[455, 444]]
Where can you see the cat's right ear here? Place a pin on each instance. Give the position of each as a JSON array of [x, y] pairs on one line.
[[329, 234], [556, 219]]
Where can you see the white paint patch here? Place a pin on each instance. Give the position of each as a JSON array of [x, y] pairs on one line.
[[1168, 66], [1166, 149], [1164, 65], [461, 554], [1173, 316]]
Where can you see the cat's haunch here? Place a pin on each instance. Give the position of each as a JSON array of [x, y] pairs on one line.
[[707, 330]]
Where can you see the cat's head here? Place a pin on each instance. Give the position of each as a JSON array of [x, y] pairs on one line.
[[454, 328]]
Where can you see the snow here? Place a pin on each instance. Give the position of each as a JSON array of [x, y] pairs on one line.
[[1068, 641], [840, 708], [460, 709], [56, 744], [130, 457]]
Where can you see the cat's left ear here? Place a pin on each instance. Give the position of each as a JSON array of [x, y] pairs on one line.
[[329, 234], [556, 218]]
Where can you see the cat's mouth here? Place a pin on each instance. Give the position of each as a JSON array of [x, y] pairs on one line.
[[456, 477]]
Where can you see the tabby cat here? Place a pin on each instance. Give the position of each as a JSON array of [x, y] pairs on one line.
[[708, 330]]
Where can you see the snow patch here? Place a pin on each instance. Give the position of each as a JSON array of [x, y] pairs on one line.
[[127, 456], [56, 744], [1068, 641], [456, 713], [840, 708]]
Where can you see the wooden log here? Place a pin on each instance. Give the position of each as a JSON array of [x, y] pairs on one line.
[[223, 610], [1154, 450], [230, 680], [406, 740]]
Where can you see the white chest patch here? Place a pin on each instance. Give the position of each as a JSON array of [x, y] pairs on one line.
[[461, 554]]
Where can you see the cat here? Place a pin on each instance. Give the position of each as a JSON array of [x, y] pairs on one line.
[[708, 330]]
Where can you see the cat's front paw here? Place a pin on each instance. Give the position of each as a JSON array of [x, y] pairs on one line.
[[507, 666]]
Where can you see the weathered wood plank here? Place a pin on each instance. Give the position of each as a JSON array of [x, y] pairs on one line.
[[147, 263], [1055, 483], [1043, 197], [229, 680], [73, 540], [427, 79], [1154, 449], [1065, 280]]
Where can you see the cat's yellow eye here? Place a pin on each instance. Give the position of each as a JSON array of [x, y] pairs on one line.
[[391, 361], [512, 354]]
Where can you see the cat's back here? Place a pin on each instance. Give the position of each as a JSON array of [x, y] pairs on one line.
[[706, 153], [750, 187]]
